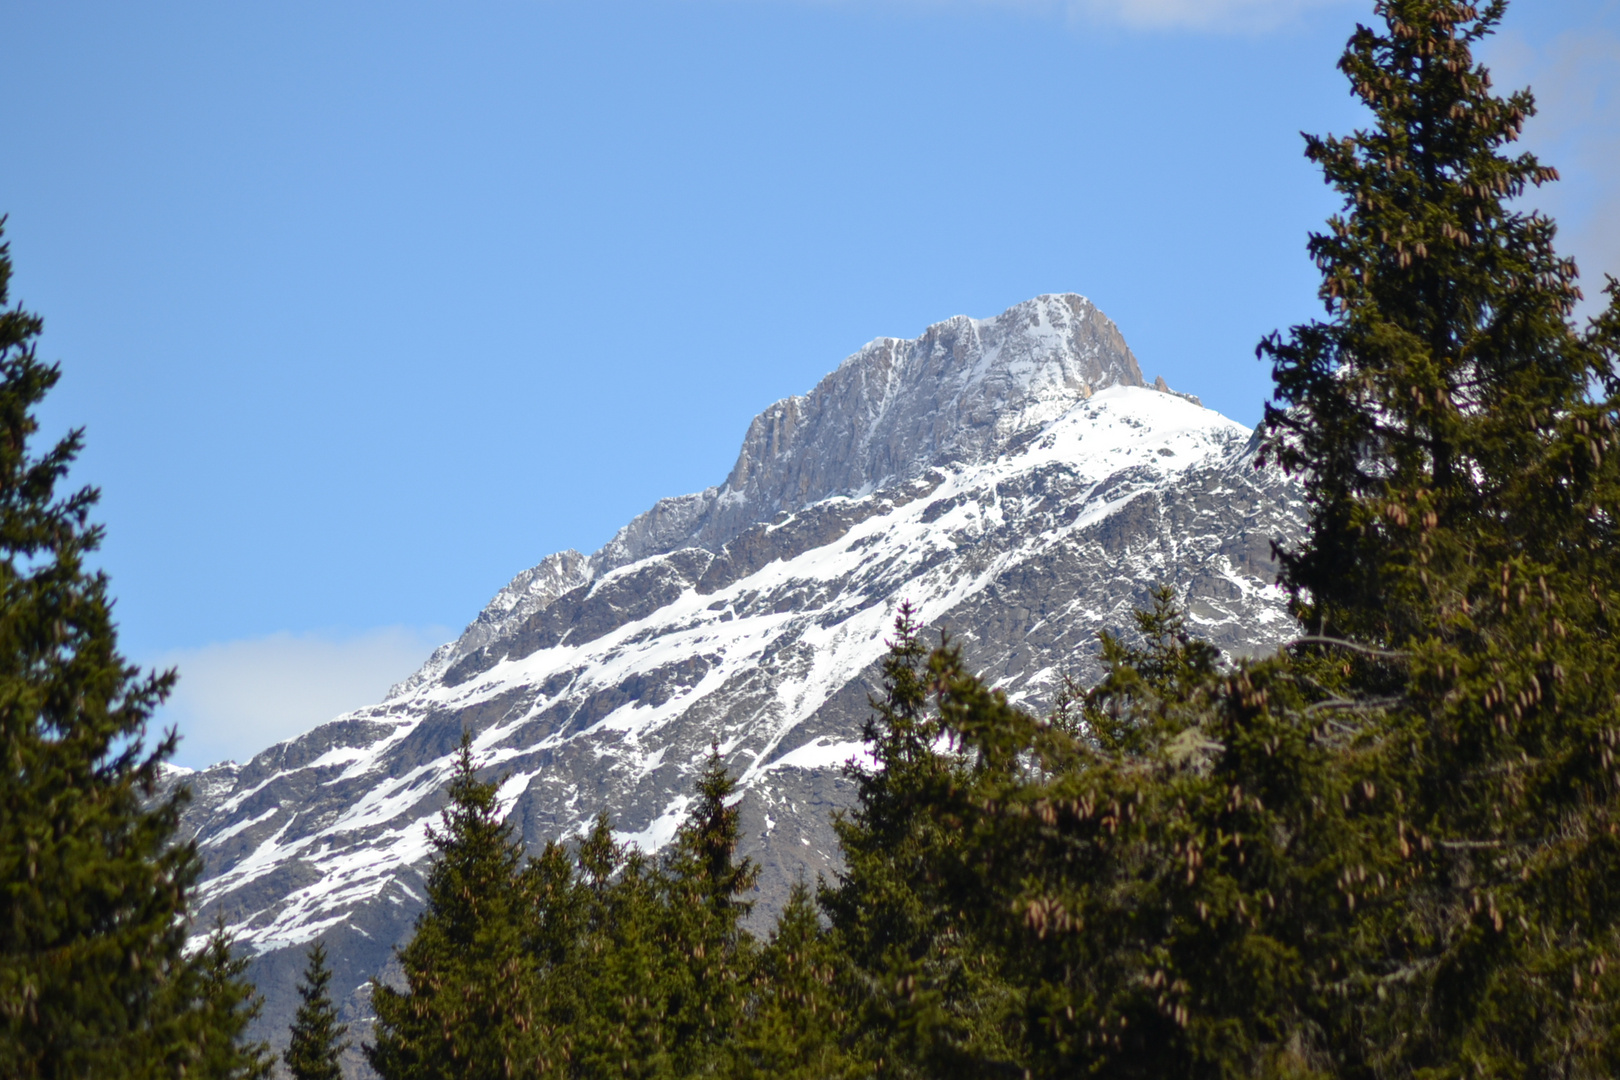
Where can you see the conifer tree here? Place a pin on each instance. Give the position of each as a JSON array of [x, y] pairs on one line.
[[706, 884], [468, 1009], [1390, 851], [1457, 436], [797, 1018], [563, 925], [94, 881], [660, 979], [924, 992], [317, 1037], [223, 1005], [1174, 884], [625, 967]]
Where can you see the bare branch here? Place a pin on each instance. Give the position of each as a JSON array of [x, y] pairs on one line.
[[1315, 639], [1350, 704]]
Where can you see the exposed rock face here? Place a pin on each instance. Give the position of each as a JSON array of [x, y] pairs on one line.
[[1013, 477]]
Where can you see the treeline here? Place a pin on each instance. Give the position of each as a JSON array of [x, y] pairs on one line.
[[1392, 850]]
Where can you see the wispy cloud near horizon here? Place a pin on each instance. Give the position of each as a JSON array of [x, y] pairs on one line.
[[237, 697]]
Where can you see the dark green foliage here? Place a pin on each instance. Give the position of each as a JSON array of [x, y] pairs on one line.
[[599, 963], [317, 1037], [925, 992], [1458, 435], [624, 971], [649, 965], [222, 1006], [468, 1007], [1172, 887], [798, 1017], [706, 884], [94, 980], [1392, 850], [1424, 411]]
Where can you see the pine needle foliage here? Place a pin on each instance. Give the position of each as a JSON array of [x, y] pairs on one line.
[[1391, 850], [1423, 412], [707, 883], [223, 1004], [1159, 886], [317, 1041], [94, 880], [591, 961], [658, 980]]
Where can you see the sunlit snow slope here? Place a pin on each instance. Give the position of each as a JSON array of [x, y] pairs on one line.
[[1013, 477]]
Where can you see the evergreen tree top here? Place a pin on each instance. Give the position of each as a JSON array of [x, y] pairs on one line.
[[317, 1036], [1448, 362], [706, 843]]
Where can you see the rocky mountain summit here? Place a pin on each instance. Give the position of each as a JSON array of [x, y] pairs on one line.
[[1013, 477]]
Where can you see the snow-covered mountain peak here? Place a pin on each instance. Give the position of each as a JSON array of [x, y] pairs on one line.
[[1010, 476], [960, 392]]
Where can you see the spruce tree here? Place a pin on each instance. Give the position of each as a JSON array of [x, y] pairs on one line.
[[317, 1037], [468, 1008], [1448, 368], [706, 883], [1390, 851], [1177, 884], [925, 993], [223, 1005], [797, 1018], [1457, 435], [659, 979], [625, 969], [94, 880], [562, 922]]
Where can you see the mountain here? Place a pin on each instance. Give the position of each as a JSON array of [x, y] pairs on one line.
[[1014, 477]]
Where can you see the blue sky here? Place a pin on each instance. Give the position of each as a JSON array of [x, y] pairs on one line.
[[368, 306]]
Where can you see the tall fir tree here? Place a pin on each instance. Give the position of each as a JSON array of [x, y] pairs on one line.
[[1175, 880], [317, 1041], [223, 1006], [707, 883], [1457, 435], [1392, 850], [660, 978], [925, 994], [95, 980], [797, 1016], [625, 969], [468, 1008]]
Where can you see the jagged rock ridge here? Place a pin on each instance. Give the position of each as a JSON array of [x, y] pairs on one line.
[[958, 392], [1012, 476]]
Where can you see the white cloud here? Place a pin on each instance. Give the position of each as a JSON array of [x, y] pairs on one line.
[[237, 697]]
